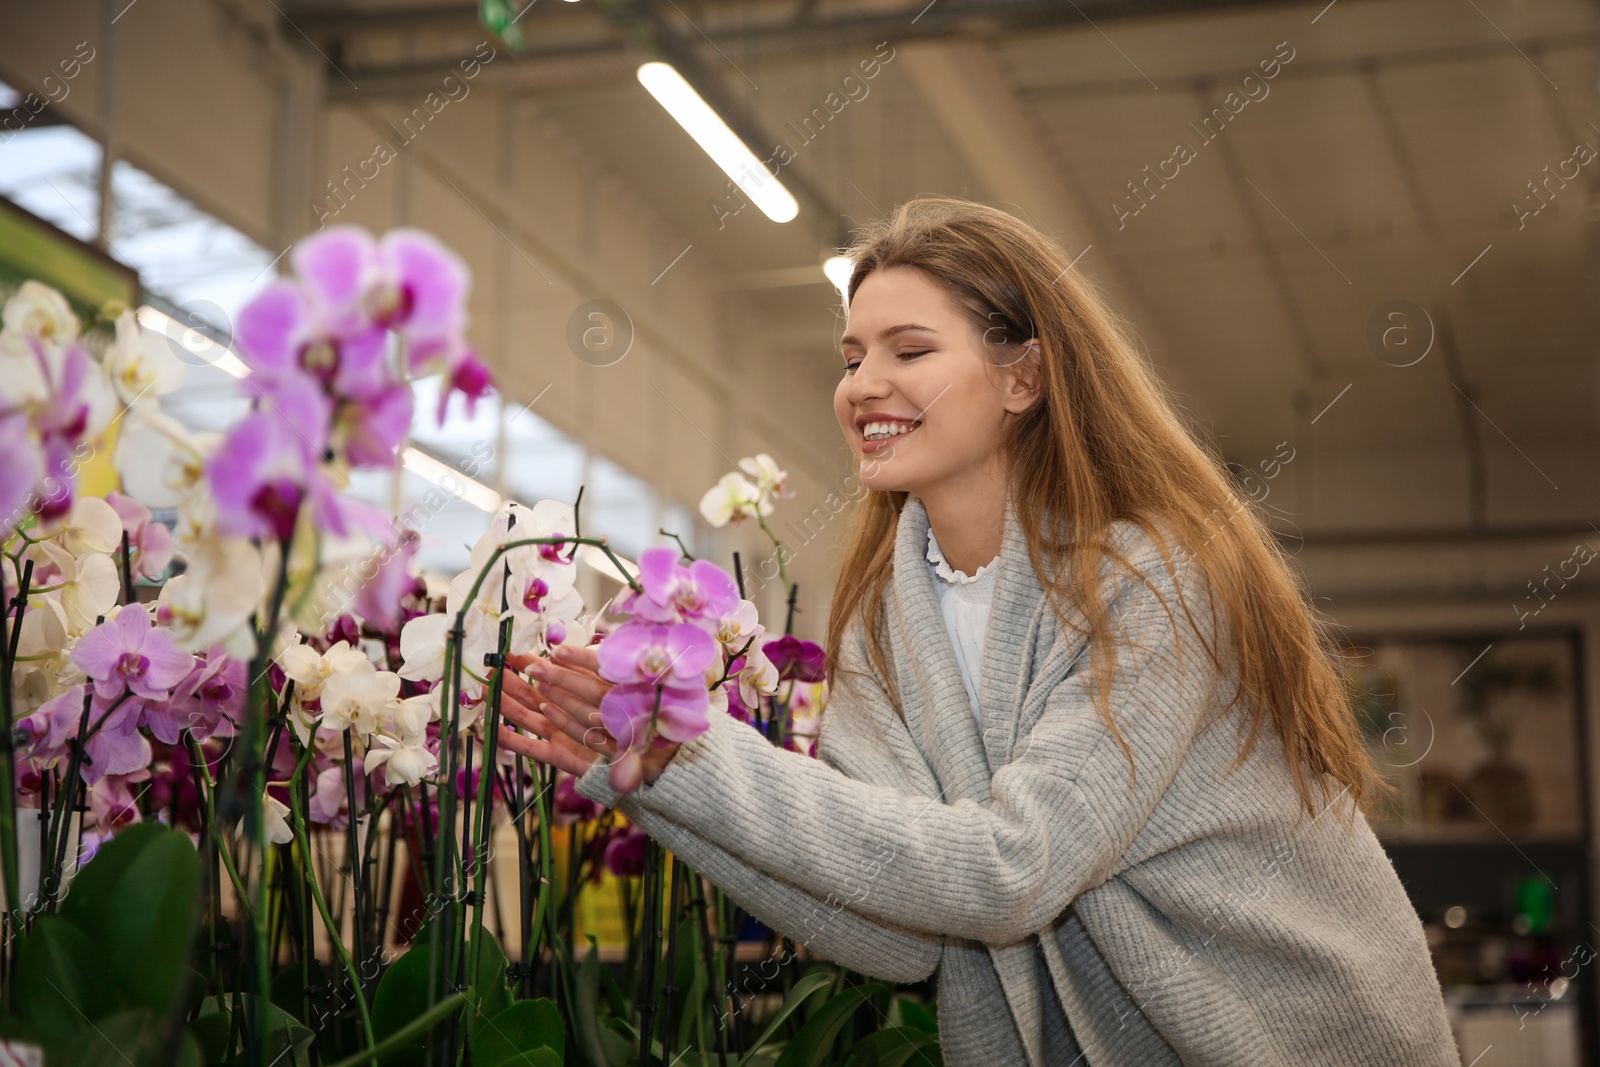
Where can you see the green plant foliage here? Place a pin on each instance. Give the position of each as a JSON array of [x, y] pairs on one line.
[[803, 990], [894, 1047], [527, 1034], [133, 1038], [136, 901], [813, 1045]]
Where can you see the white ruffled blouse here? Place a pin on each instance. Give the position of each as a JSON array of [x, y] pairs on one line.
[[964, 600]]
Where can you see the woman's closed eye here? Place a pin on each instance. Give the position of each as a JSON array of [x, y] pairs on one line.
[[850, 366]]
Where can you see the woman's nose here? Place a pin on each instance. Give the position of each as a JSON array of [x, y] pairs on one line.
[[867, 382]]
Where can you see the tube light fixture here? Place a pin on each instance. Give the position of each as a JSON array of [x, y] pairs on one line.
[[672, 92], [450, 480], [209, 350], [838, 268], [602, 563]]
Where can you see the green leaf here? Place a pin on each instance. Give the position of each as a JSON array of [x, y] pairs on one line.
[[803, 990], [284, 1032], [915, 1015], [402, 994], [812, 1046], [893, 1047], [210, 1029], [136, 901], [588, 998], [494, 992], [527, 1034], [129, 1039], [56, 989]]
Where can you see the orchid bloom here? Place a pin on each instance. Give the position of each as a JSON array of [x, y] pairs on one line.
[[268, 464], [91, 526], [140, 366], [357, 699], [279, 832], [733, 499], [160, 462], [672, 591], [404, 761], [771, 482], [129, 651], [150, 543]]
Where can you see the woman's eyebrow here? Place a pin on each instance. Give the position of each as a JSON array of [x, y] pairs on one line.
[[847, 339]]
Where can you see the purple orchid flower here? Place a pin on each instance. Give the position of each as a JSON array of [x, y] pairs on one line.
[[129, 651], [20, 468], [672, 591], [794, 658], [150, 542], [626, 711], [281, 335], [267, 466], [572, 806], [471, 379], [116, 746], [208, 703], [676, 654], [380, 598], [625, 850], [371, 430]]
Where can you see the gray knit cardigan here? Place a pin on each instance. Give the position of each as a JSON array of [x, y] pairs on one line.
[[1076, 911]]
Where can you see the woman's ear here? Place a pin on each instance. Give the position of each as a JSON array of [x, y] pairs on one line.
[[1025, 378]]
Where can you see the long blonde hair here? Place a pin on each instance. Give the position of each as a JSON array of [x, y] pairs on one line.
[[1105, 443]]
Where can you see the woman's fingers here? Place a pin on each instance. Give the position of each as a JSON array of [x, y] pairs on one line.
[[570, 760], [586, 658], [579, 718], [544, 709], [579, 681]]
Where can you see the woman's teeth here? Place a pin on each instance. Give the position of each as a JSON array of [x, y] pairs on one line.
[[880, 431]]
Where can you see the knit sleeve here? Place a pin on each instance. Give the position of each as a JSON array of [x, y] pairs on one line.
[[1060, 816]]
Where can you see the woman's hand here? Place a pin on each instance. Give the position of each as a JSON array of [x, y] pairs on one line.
[[562, 707]]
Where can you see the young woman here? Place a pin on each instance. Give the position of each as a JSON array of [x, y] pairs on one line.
[[1087, 753]]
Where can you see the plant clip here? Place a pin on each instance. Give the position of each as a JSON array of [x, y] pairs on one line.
[[516, 972], [493, 659], [470, 898]]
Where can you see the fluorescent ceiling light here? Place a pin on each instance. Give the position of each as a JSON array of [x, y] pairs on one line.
[[200, 347], [837, 268], [450, 480], [597, 559], [720, 143]]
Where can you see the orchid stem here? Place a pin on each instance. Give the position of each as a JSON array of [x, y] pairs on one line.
[[334, 934]]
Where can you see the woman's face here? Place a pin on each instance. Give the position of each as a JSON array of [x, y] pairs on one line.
[[923, 401]]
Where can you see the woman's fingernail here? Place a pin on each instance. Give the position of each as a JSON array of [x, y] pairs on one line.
[[536, 668], [563, 653]]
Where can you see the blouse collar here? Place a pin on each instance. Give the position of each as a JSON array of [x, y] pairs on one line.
[[943, 569]]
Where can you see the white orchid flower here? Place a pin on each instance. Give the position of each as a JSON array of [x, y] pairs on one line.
[[212, 602], [738, 627], [733, 499], [84, 587], [91, 526], [771, 481], [41, 313], [161, 463], [403, 761], [140, 366], [757, 677], [422, 648], [410, 717], [358, 699], [279, 832]]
